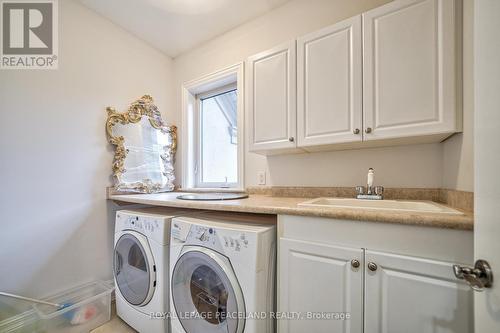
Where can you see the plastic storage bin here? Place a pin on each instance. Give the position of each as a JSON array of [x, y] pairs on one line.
[[89, 306], [25, 322], [17, 316]]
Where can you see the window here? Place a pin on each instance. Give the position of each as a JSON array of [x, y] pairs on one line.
[[212, 131], [217, 115]]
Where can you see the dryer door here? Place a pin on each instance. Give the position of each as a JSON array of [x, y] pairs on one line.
[[205, 292], [134, 269]]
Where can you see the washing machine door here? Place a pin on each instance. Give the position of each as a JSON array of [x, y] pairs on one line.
[[205, 292], [134, 268]]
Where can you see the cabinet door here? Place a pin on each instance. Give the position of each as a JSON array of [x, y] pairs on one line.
[[319, 279], [272, 98], [329, 85], [415, 295], [409, 61]]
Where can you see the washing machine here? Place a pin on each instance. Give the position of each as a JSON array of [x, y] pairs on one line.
[[141, 267], [222, 273]]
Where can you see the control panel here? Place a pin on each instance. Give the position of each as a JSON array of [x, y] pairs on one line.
[[139, 223], [203, 235], [217, 239], [155, 227], [235, 242], [180, 230]]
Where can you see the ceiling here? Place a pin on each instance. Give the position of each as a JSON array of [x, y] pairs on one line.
[[175, 26]]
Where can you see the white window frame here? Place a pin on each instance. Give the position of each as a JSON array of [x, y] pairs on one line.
[[190, 140]]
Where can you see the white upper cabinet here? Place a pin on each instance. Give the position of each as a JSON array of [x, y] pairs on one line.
[[409, 62], [389, 76], [329, 83], [415, 295], [272, 98]]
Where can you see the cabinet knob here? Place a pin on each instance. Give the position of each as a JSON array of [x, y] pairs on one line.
[[356, 131], [368, 130], [372, 266], [355, 263], [291, 139]]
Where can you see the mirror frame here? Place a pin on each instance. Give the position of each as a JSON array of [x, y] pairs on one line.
[[144, 106]]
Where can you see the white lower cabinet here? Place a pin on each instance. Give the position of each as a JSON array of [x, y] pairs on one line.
[[414, 295], [406, 285], [317, 280]]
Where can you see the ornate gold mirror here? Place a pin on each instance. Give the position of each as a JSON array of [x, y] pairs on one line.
[[144, 148]]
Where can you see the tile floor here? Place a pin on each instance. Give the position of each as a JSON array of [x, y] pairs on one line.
[[115, 325]]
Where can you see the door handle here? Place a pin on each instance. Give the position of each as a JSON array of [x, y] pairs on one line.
[[478, 277]]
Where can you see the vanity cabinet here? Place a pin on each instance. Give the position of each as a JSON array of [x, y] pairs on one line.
[[334, 286], [404, 281], [388, 76], [272, 98], [410, 294]]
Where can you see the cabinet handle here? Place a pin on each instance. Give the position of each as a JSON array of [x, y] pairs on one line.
[[356, 131], [355, 263], [291, 139], [368, 130], [372, 266]]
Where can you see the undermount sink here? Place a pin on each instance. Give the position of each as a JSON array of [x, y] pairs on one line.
[[393, 205]]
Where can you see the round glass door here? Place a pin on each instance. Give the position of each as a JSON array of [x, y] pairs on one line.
[[206, 295], [133, 269]]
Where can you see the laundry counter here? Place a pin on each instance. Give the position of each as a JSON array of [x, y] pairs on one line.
[[267, 204]]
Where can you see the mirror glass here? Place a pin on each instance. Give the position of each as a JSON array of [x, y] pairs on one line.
[[148, 158]]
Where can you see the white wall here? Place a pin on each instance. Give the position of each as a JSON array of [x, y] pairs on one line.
[[57, 226], [487, 158], [408, 166], [458, 151]]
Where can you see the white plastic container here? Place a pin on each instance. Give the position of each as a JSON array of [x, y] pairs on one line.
[[17, 316], [89, 306], [25, 322]]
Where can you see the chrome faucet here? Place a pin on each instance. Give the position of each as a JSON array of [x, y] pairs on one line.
[[372, 192]]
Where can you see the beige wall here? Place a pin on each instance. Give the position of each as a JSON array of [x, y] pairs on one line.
[[57, 227], [412, 166]]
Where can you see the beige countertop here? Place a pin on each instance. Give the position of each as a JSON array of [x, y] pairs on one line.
[[266, 204]]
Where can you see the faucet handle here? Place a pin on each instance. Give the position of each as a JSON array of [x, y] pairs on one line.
[[360, 190], [379, 190]]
